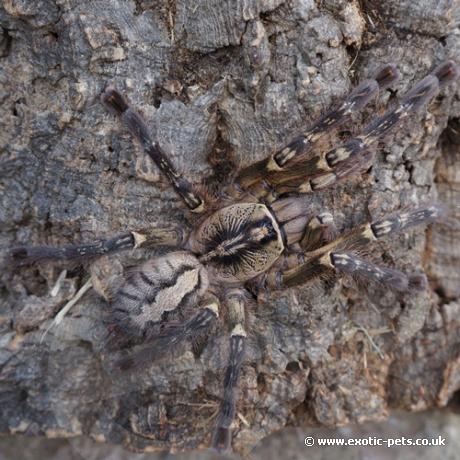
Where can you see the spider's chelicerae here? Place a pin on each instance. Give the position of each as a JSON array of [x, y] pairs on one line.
[[257, 233]]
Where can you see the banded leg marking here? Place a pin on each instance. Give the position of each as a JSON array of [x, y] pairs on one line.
[[351, 264], [222, 436], [117, 104], [317, 262], [350, 157], [356, 100], [173, 336], [405, 220], [319, 231], [27, 255]]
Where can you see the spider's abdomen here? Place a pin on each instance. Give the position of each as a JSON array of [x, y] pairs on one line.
[[238, 242], [160, 285]]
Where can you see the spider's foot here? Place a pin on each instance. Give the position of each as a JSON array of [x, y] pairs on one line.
[[387, 75], [446, 72], [113, 100], [222, 439], [418, 282], [22, 256]]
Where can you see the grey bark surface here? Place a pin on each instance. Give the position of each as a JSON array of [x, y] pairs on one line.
[[288, 444], [222, 83]]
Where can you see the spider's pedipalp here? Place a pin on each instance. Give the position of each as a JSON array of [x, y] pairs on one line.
[[117, 104]]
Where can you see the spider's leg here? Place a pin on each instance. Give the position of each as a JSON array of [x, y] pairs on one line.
[[117, 104], [222, 437], [353, 156], [349, 263], [320, 261], [301, 239], [300, 145], [174, 335], [26, 255], [319, 231]]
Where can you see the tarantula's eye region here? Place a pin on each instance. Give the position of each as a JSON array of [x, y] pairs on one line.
[[239, 241], [162, 284]]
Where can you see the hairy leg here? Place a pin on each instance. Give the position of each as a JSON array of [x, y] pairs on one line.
[[350, 264], [222, 437], [117, 104], [299, 146], [320, 261], [26, 255], [319, 231], [173, 336], [328, 168]]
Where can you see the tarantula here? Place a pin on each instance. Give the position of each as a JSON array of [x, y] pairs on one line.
[[256, 234]]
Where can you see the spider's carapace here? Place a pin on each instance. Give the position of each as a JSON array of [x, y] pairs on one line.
[[238, 242]]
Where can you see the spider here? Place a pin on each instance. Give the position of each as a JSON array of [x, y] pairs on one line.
[[257, 234]]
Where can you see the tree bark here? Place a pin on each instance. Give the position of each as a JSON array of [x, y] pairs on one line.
[[222, 83]]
